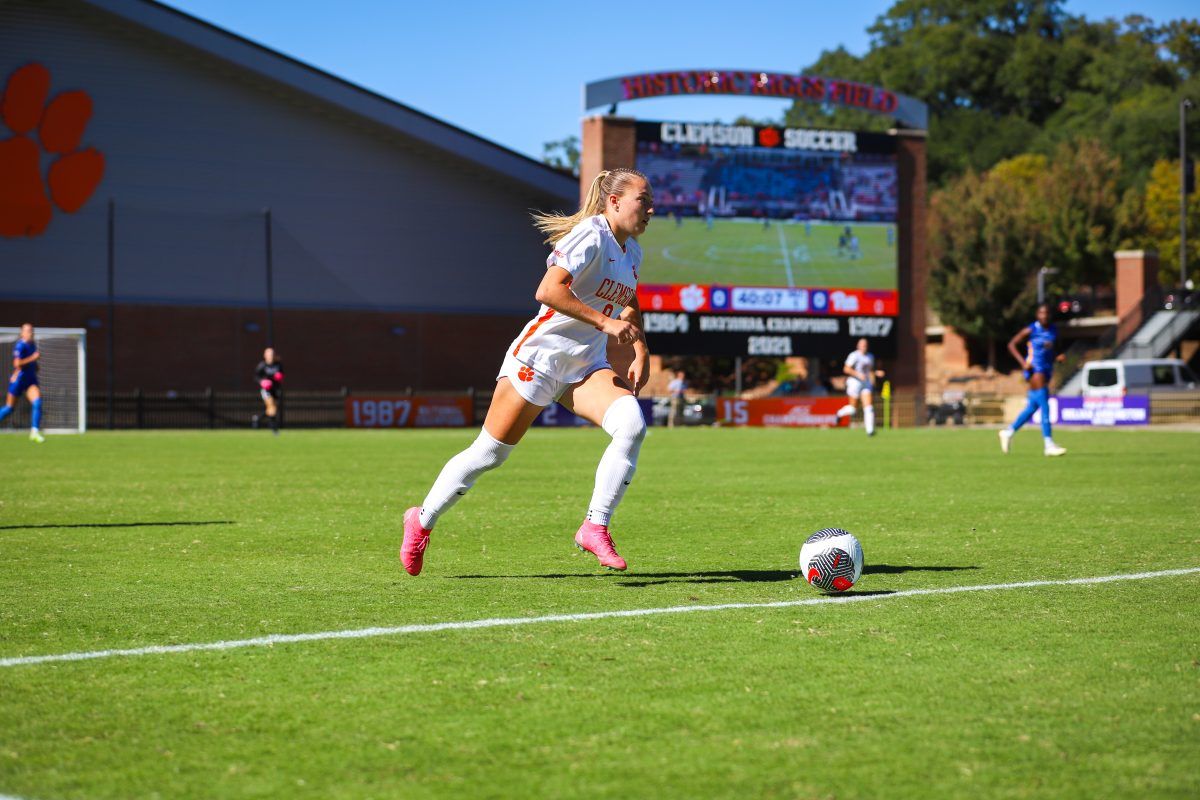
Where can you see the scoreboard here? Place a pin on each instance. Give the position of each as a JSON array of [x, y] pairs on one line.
[[769, 241]]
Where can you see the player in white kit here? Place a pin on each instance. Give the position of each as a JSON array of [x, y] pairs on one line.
[[589, 310], [860, 384]]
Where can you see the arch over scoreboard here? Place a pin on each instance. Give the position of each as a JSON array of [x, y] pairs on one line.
[[907, 111]]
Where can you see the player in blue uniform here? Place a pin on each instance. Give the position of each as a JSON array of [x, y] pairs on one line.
[[24, 381], [1038, 364]]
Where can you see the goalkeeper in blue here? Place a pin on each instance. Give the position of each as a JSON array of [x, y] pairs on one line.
[[24, 381], [1038, 364]]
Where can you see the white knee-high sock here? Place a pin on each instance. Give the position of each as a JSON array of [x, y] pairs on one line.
[[460, 474], [846, 410], [624, 422], [869, 419]]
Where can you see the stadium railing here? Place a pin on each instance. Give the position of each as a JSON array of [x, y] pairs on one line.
[[210, 408], [1174, 407], [215, 409]]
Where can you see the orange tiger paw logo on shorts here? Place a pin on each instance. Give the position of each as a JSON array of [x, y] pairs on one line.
[[525, 374], [26, 200]]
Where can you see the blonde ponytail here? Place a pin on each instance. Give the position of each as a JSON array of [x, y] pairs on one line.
[[613, 181]]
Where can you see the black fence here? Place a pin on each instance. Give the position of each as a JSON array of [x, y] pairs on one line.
[[237, 409], [211, 409], [233, 409]]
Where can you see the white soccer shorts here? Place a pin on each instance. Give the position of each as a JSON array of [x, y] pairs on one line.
[[855, 387], [537, 387]]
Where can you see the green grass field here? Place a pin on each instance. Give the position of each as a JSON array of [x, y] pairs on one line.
[[744, 253], [137, 539]]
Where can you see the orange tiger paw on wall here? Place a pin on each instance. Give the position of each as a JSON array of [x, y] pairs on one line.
[[26, 199]]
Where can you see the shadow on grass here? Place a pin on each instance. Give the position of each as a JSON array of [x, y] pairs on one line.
[[747, 575], [714, 576], [119, 525]]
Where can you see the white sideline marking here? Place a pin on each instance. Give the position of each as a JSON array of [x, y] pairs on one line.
[[434, 627], [787, 259]]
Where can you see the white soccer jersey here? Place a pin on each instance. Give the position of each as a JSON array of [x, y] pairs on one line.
[[603, 276], [864, 363]]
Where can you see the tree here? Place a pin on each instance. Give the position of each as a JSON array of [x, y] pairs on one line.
[[1162, 221], [985, 245], [1003, 78], [563, 154], [1078, 203]]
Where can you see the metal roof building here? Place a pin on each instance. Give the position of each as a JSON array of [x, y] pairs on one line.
[[400, 247]]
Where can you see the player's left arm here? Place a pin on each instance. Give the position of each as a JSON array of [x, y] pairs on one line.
[[638, 371]]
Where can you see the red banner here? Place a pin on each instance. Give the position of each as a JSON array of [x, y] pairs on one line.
[[787, 412], [403, 411]]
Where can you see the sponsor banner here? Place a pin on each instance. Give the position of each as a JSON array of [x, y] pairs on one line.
[[1098, 411], [681, 334], [693, 297], [786, 412], [403, 411], [557, 415]]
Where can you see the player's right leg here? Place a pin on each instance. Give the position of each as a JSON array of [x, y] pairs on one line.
[[10, 404], [508, 418], [868, 408], [34, 393], [271, 406], [853, 391], [1031, 407]]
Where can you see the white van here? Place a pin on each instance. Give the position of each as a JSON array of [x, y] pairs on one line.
[[1136, 376]]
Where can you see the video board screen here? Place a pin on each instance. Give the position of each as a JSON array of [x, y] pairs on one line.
[[758, 221]]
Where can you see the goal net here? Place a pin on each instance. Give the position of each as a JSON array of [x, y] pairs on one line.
[[61, 377]]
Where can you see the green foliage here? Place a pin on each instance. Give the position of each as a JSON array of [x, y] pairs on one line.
[[1077, 200], [990, 233], [1044, 127], [1004, 78], [986, 242], [1161, 210], [563, 154]]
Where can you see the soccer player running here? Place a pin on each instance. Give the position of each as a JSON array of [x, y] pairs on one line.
[[1038, 364], [24, 381], [676, 389], [589, 301], [860, 384], [269, 374]]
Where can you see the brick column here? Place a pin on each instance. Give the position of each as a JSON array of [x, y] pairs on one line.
[[956, 357], [1137, 274], [608, 142], [907, 374]]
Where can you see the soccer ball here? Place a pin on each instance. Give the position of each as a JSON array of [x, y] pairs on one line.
[[831, 560]]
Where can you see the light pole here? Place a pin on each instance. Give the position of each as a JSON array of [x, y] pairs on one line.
[[1184, 105], [1042, 273]]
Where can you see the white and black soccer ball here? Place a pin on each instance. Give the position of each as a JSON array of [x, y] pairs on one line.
[[831, 560]]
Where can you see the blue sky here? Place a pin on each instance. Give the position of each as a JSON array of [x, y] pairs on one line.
[[513, 71]]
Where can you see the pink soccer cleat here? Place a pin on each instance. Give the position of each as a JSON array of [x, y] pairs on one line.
[[416, 538], [596, 540]]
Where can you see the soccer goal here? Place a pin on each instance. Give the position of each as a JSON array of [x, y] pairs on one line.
[[62, 376]]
